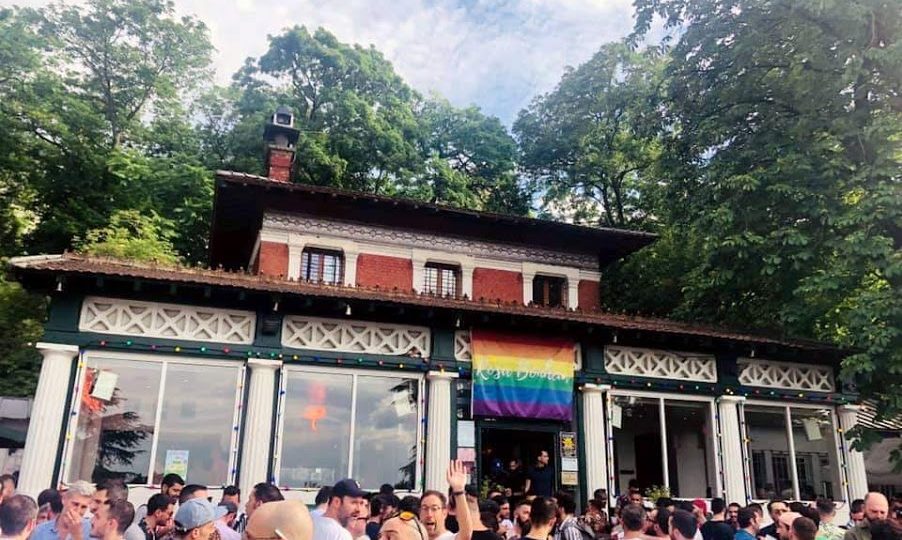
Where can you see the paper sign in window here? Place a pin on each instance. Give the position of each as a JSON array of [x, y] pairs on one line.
[[104, 385]]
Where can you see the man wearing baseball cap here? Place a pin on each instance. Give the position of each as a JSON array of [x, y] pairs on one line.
[[195, 519], [286, 520], [346, 502]]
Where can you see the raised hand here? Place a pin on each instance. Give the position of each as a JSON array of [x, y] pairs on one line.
[[456, 475]]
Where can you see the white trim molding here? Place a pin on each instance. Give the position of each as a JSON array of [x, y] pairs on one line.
[[298, 242], [659, 364], [339, 335], [467, 263], [785, 375], [168, 321], [276, 224], [530, 270]]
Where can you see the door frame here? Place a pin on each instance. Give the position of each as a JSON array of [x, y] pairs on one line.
[[545, 426]]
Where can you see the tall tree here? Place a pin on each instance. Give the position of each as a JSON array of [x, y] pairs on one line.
[[591, 144], [786, 126]]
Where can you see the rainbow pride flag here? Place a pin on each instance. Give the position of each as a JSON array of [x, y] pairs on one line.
[[522, 376]]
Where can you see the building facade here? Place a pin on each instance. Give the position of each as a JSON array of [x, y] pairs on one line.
[[343, 334]]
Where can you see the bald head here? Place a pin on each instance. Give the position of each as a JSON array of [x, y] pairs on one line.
[[876, 506], [784, 525], [288, 520], [400, 529]]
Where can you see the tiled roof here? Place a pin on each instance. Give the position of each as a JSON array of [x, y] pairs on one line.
[[253, 179], [70, 264]]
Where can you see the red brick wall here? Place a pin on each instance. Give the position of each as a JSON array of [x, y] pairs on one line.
[[589, 295], [273, 259], [280, 164], [384, 272], [497, 284]]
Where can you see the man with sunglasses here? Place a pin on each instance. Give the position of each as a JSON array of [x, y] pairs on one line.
[[345, 504]]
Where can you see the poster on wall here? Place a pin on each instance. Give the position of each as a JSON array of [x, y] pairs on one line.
[[522, 376], [176, 463], [569, 478]]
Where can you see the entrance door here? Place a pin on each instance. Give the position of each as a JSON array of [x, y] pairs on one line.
[[649, 469], [498, 446]]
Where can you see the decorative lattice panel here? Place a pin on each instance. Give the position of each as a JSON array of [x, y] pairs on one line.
[[462, 346], [769, 374], [169, 321], [354, 336], [660, 364]]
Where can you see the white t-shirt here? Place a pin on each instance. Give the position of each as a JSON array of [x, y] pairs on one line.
[[326, 528], [447, 535]]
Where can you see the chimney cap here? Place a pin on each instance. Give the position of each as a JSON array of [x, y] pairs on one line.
[[281, 128]]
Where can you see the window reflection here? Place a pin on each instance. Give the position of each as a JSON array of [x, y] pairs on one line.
[[769, 448], [197, 418], [815, 451], [385, 431], [117, 410], [316, 431], [690, 455], [637, 442]]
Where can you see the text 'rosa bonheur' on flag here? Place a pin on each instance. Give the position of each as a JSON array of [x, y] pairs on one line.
[[522, 376]]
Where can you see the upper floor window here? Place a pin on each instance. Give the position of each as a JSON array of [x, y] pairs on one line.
[[321, 266], [549, 291], [441, 279]]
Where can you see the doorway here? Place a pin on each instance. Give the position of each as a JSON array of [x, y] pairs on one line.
[[499, 445]]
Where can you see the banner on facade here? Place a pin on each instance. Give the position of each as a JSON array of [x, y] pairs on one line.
[[522, 376]]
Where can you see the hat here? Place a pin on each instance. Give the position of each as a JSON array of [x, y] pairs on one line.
[[288, 520], [701, 505], [231, 508], [196, 512], [347, 488]]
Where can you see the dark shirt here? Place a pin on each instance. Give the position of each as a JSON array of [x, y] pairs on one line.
[[372, 530], [515, 480], [717, 530], [485, 535], [770, 530], [541, 481]]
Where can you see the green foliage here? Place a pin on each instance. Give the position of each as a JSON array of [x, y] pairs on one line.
[[591, 146], [131, 235], [21, 320]]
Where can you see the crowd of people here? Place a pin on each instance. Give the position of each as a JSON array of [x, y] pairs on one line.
[[344, 511]]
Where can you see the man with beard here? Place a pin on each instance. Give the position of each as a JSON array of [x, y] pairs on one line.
[[345, 503], [111, 519], [521, 520]]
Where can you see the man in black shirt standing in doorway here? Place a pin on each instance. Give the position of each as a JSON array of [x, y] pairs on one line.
[[540, 479]]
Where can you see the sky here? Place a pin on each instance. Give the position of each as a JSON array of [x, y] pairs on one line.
[[496, 54]]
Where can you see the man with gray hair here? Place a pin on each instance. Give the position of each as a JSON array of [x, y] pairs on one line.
[[18, 515], [70, 525]]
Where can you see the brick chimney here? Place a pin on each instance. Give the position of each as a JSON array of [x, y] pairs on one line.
[[280, 137]]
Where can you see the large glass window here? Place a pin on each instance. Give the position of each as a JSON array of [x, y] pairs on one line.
[[676, 453], [794, 452], [138, 419], [338, 423]]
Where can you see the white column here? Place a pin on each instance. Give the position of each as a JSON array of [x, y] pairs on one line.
[[856, 475], [595, 432], [466, 280], [527, 286], [258, 423], [46, 424], [438, 428], [731, 441]]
